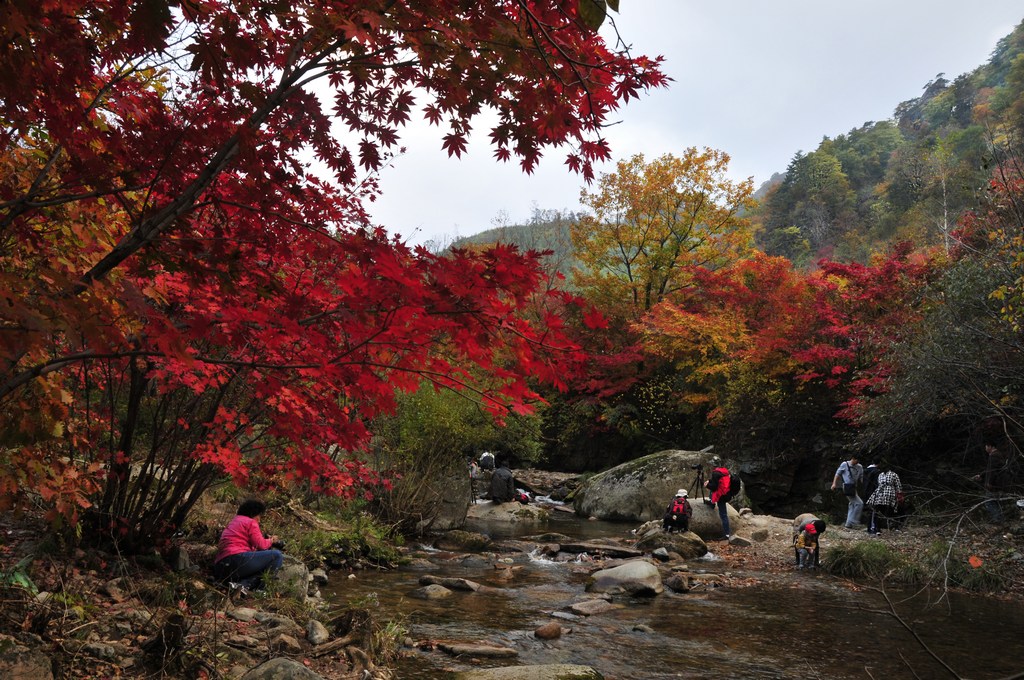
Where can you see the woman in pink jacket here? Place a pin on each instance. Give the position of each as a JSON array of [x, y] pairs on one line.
[[244, 553]]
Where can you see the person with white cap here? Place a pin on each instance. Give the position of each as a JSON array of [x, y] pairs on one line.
[[677, 514]]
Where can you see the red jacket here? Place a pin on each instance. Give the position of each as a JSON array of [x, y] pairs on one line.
[[723, 485], [241, 535]]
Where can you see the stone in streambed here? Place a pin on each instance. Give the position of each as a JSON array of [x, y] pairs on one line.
[[544, 672], [549, 631], [431, 592], [637, 577]]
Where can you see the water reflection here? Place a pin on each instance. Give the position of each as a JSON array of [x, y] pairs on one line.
[[792, 626]]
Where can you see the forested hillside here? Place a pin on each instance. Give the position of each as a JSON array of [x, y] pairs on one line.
[[908, 178]]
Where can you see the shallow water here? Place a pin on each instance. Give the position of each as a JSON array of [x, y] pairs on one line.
[[799, 626]]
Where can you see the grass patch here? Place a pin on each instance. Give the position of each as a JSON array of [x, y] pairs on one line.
[[937, 566], [963, 571], [362, 543]]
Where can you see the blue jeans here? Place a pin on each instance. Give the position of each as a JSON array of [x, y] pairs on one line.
[[723, 512], [854, 510], [247, 568]]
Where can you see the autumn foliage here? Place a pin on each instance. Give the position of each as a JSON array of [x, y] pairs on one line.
[[181, 297]]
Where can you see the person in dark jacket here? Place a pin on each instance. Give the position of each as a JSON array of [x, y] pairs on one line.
[[871, 473], [503, 485]]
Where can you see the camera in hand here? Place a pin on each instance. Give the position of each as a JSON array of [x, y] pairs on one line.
[[277, 545]]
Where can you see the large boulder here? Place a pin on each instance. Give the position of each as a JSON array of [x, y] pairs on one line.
[[637, 577], [639, 491]]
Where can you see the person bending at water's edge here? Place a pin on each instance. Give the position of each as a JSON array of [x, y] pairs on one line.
[[245, 555], [800, 526]]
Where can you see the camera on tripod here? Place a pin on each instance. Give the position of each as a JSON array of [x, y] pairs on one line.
[[698, 466]]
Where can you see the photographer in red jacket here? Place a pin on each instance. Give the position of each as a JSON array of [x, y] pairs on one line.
[[719, 484]]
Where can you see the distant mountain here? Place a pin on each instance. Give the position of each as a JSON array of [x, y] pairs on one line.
[[547, 230]]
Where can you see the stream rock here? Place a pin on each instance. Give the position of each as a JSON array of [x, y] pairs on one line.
[[462, 541], [450, 583], [549, 631], [316, 632], [477, 651], [687, 545], [592, 607], [600, 548], [293, 578], [547, 672], [515, 513], [637, 577], [281, 669], [431, 592]]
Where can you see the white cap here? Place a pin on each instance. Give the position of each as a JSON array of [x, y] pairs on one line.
[[681, 492]]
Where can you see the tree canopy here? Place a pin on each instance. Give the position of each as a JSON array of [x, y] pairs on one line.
[[182, 293]]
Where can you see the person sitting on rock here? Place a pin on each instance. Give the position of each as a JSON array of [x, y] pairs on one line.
[[503, 485], [677, 514], [245, 555]]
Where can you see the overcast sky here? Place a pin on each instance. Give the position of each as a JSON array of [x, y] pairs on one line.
[[758, 80]]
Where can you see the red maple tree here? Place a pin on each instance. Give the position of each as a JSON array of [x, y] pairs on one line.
[[180, 296]]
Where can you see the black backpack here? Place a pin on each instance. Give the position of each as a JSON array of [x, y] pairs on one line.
[[734, 489]]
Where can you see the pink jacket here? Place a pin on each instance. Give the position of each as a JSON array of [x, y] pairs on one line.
[[241, 535]]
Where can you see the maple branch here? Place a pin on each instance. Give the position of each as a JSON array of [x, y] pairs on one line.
[[23, 204], [69, 198], [56, 364], [144, 233]]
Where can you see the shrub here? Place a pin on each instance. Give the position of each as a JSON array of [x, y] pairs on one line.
[[867, 559]]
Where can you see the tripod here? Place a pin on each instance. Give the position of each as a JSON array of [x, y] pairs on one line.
[[698, 482]]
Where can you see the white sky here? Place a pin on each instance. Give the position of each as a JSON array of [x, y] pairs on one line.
[[759, 80]]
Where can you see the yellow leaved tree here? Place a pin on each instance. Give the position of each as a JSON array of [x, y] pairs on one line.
[[651, 223]]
